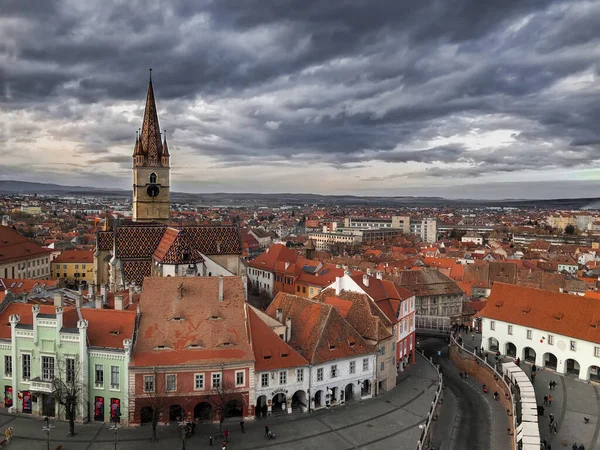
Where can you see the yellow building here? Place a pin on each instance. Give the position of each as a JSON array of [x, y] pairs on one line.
[[75, 265]]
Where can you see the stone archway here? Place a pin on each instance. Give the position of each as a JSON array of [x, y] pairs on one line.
[[203, 412], [279, 403], [365, 388], [299, 401], [529, 355], [234, 408], [319, 399], [349, 392], [493, 344], [146, 414], [510, 349], [261, 406], [335, 395], [176, 413], [550, 361], [593, 373], [572, 367]]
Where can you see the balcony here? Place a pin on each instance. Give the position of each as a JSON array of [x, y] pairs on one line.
[[38, 385]]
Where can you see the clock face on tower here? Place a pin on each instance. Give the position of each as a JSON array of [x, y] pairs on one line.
[[153, 190]]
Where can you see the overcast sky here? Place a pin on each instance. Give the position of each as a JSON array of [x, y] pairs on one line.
[[461, 98]]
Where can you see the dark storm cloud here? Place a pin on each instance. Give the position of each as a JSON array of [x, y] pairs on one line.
[[344, 83]]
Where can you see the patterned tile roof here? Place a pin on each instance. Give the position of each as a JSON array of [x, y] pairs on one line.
[[104, 240], [174, 248], [150, 144], [135, 271], [138, 241]]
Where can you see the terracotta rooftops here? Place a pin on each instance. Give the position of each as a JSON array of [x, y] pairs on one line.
[[75, 256], [268, 259], [568, 315], [270, 351], [319, 332], [425, 282], [15, 247], [19, 285], [106, 329], [184, 322]]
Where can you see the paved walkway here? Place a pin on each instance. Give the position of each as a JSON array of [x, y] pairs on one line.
[[389, 421]]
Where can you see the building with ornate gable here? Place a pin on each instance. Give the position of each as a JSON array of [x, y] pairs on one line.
[[148, 246]]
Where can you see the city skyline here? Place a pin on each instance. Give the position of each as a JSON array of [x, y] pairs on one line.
[[384, 99]]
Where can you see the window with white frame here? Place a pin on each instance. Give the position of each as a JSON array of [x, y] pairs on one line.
[[70, 370], [365, 364], [7, 366], [334, 371], [597, 352], [510, 329], [239, 378], [47, 368], [320, 374], [264, 380], [573, 346], [352, 366], [114, 377], [382, 366], [26, 366], [283, 377], [199, 381], [550, 339], [216, 380], [299, 375], [171, 383], [148, 383], [529, 334], [99, 375], [492, 324]]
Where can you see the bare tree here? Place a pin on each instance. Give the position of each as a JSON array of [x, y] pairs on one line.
[[69, 390], [224, 400], [155, 398]]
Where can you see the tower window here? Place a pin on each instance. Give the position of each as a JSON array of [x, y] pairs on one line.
[[152, 178]]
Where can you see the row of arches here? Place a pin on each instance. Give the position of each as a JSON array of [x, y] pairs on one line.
[[203, 412], [548, 360]]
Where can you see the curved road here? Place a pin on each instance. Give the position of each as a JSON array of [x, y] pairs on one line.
[[466, 417]]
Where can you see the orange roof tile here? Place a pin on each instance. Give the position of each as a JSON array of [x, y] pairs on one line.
[[569, 315], [75, 256], [183, 322], [20, 285], [270, 352], [14, 246]]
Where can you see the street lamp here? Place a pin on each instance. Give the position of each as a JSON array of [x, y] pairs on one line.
[[115, 427], [47, 429]]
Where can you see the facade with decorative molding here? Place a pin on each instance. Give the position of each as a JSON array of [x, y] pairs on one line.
[[81, 346]]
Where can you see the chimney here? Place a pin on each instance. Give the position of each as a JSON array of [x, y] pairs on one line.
[[78, 301], [366, 280], [369, 272], [379, 275], [287, 264], [220, 288], [245, 283], [288, 329], [98, 301], [58, 300], [279, 315], [338, 285], [131, 294], [119, 302]]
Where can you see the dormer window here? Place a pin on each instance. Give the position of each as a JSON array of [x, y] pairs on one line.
[[162, 347], [178, 319], [331, 347], [115, 333], [152, 178]]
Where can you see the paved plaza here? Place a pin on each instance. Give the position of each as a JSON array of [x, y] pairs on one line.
[[389, 421]]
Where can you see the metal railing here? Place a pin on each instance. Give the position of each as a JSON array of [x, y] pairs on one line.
[[425, 428]]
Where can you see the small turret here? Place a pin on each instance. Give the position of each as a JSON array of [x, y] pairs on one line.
[[164, 159]]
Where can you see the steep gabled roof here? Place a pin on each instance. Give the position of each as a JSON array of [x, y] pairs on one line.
[[15, 247], [270, 352], [319, 332]]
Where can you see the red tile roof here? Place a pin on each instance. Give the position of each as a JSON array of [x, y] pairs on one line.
[[276, 253], [16, 247], [75, 256], [270, 352], [18, 286], [183, 322], [569, 315], [319, 332]]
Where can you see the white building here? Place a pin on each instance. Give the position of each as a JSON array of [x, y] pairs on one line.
[[550, 329], [426, 229], [473, 237]]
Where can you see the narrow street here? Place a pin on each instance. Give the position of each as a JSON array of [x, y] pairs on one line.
[[466, 416]]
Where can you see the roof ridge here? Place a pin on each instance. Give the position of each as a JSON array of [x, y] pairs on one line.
[[322, 330]]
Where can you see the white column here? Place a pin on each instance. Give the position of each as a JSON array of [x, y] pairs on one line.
[[125, 402], [14, 320], [83, 368]]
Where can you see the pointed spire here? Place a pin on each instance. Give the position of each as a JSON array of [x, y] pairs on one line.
[[136, 149], [151, 145]]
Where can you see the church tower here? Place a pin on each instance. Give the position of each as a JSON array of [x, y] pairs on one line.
[[151, 187]]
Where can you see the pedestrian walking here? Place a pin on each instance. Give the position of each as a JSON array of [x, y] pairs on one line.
[[242, 429], [226, 434], [545, 400], [544, 443], [551, 418], [210, 441], [549, 447], [267, 431], [574, 447], [533, 376], [555, 427], [581, 447], [549, 400], [7, 434]]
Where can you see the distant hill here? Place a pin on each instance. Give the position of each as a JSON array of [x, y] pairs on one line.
[[25, 187]]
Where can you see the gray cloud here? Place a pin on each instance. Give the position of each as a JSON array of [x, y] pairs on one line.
[[280, 83]]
